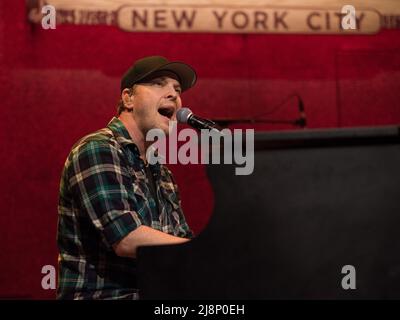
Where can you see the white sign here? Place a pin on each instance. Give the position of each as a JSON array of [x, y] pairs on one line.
[[228, 16], [243, 19]]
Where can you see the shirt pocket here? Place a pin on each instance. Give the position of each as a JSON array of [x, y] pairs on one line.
[[169, 195], [141, 199], [171, 218]]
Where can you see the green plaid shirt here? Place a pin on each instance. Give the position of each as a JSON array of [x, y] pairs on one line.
[[104, 195]]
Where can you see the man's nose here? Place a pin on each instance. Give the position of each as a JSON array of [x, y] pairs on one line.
[[171, 93]]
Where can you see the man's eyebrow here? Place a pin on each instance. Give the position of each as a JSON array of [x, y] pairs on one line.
[[164, 79]]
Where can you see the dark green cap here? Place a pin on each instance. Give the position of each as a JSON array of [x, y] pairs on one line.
[[147, 67]]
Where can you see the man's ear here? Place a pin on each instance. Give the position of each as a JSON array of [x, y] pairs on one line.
[[126, 96]]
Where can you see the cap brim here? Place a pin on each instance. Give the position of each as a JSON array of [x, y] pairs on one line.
[[185, 73]]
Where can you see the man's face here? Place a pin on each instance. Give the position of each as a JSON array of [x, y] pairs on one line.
[[155, 103]]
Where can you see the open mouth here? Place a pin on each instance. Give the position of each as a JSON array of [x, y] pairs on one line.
[[167, 112]]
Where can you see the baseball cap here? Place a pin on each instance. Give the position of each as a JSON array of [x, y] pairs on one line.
[[146, 67]]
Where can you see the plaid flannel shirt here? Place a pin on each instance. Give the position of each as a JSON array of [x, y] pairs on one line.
[[104, 195]]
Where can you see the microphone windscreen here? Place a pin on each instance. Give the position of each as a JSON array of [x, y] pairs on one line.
[[183, 115]]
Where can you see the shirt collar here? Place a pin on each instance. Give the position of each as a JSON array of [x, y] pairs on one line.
[[123, 137], [121, 134]]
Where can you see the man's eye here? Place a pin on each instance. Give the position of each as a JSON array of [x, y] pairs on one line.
[[178, 90], [157, 82]]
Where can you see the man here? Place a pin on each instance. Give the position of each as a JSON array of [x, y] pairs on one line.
[[111, 200]]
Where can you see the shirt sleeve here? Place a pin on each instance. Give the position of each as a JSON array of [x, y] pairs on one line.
[[101, 182]]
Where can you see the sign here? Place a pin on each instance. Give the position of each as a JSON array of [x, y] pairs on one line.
[[227, 16]]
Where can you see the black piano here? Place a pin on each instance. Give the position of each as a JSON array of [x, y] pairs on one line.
[[319, 218]]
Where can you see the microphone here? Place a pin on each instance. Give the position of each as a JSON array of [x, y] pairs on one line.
[[185, 115]]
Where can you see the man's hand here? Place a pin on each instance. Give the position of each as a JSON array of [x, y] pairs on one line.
[[144, 236]]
